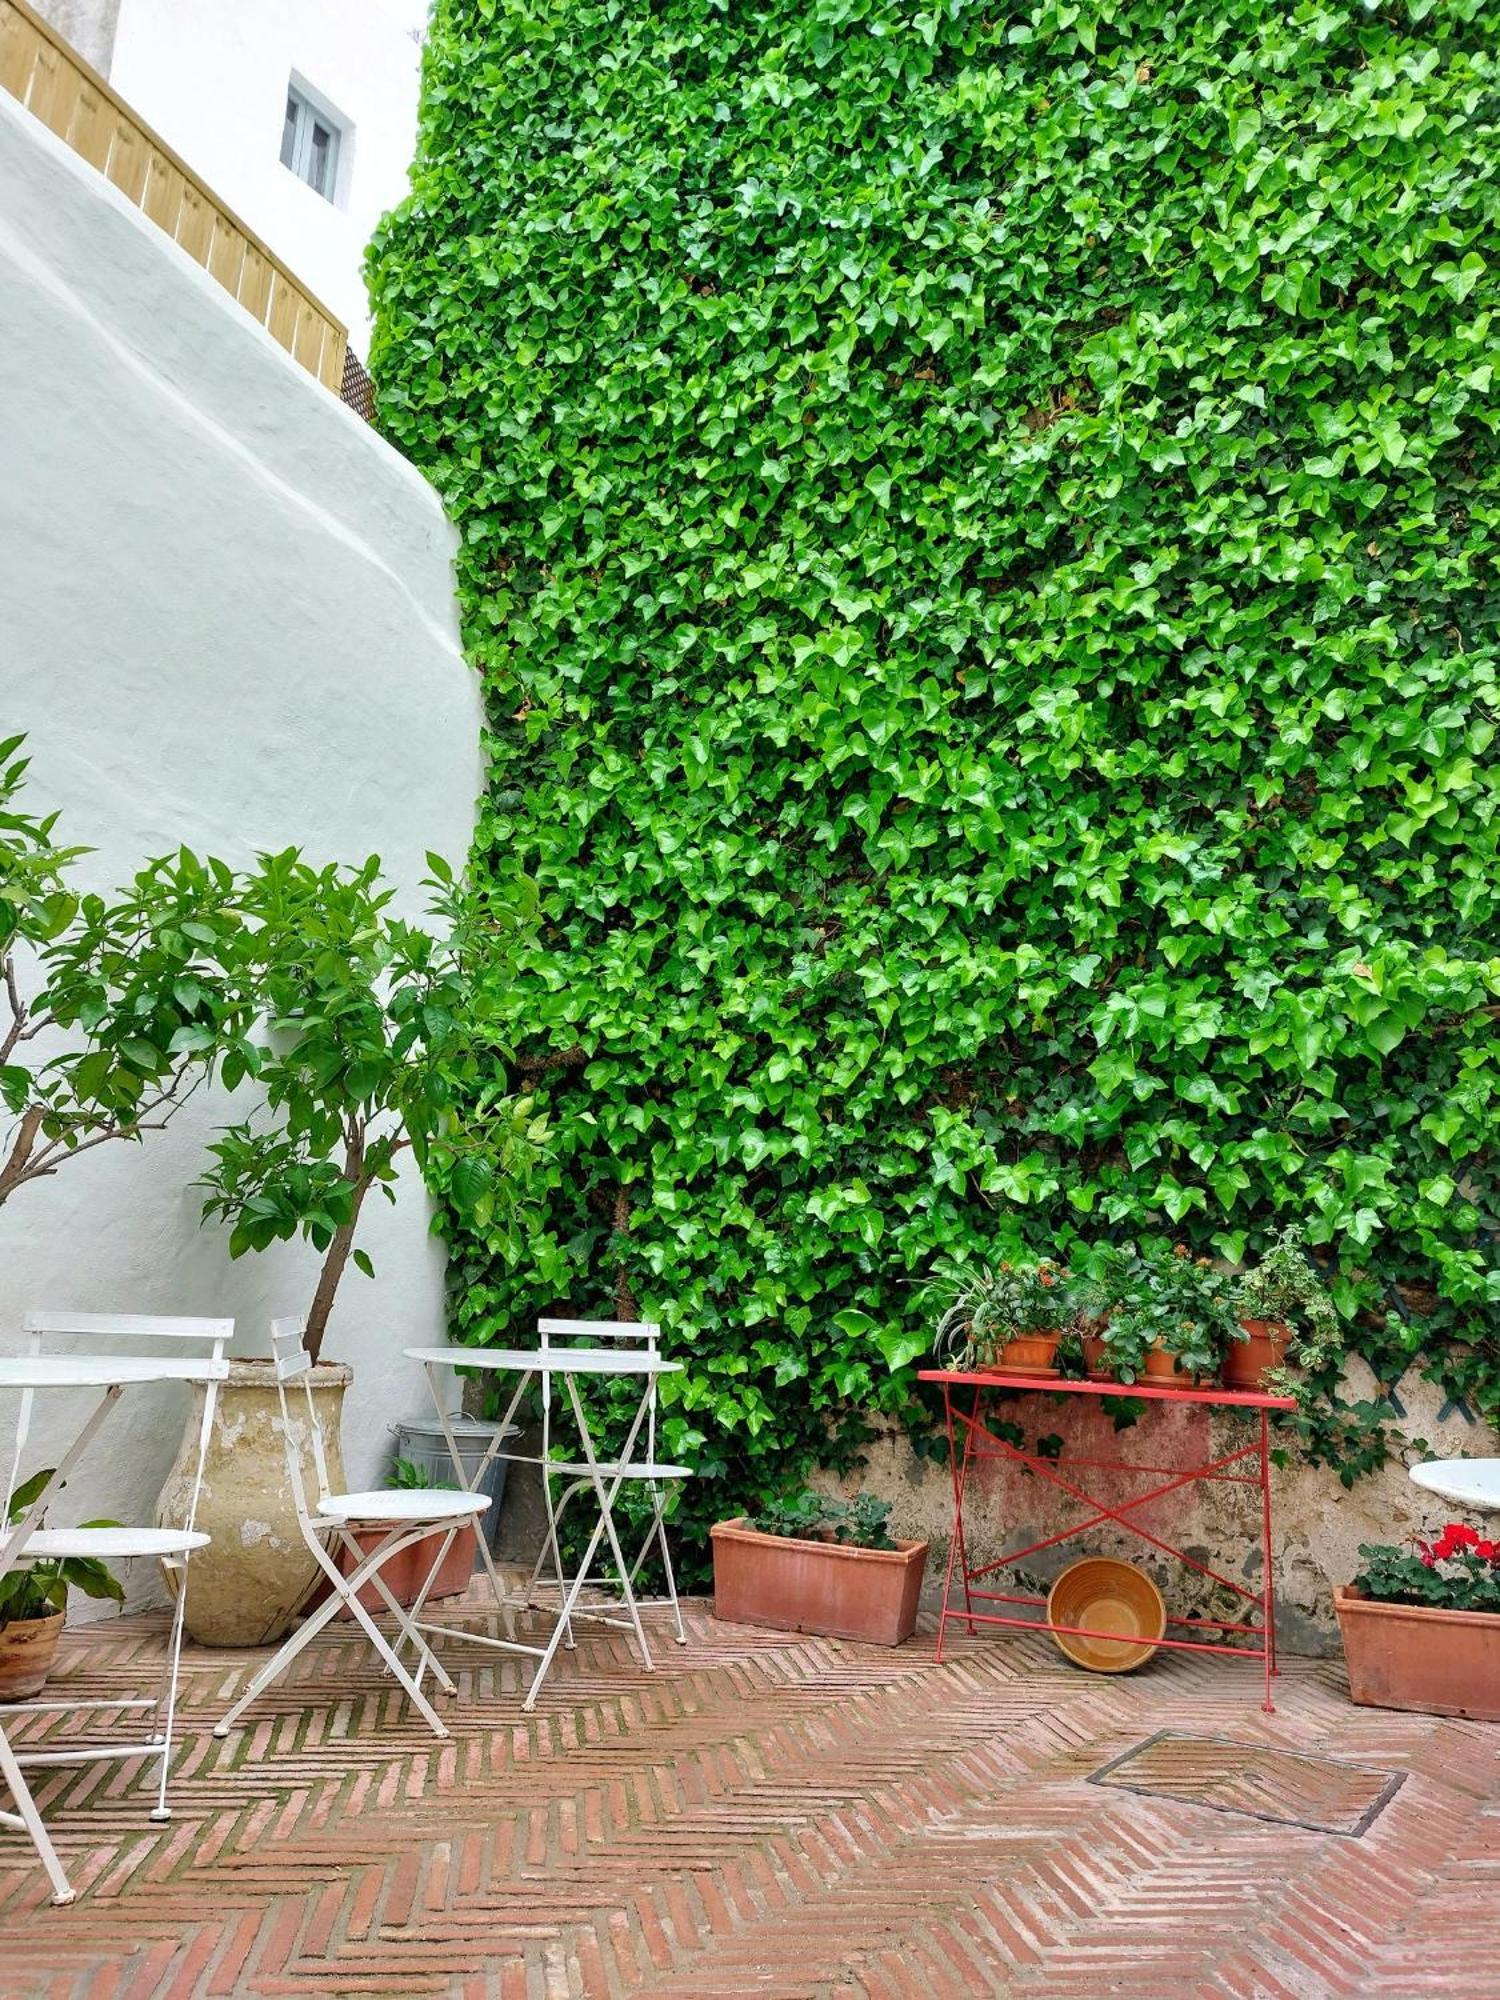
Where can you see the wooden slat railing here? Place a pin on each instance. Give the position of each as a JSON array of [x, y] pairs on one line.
[[53, 81]]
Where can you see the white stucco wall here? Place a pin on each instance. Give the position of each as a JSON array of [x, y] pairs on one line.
[[211, 77], [228, 620]]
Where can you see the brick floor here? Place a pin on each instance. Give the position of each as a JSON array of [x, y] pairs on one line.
[[765, 1815]]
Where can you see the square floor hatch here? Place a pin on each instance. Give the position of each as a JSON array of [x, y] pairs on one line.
[[1322, 1794]]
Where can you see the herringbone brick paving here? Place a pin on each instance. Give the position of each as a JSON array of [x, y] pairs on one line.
[[766, 1815]]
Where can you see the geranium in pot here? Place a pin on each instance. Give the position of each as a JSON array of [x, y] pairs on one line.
[[34, 1603], [1421, 1626], [377, 1042], [1282, 1309], [1008, 1317], [815, 1563]]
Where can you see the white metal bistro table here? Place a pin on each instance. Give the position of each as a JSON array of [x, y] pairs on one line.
[[605, 1477], [110, 1374]]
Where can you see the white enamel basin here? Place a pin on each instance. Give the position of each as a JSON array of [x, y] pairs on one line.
[[1467, 1482]]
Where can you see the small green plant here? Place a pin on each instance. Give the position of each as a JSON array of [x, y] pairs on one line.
[[1285, 1287], [41, 1588], [409, 1478], [984, 1307], [1460, 1571], [862, 1523]]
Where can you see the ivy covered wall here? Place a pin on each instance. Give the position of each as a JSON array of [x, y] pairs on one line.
[[979, 529]]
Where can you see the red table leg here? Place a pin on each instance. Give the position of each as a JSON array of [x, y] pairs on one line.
[[959, 1469], [1268, 1574]]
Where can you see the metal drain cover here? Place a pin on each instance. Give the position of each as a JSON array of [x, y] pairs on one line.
[[1287, 1787]]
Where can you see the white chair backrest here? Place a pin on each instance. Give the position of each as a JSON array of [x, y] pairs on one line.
[[42, 1326], [44, 1329], [293, 1363], [594, 1332], [646, 1331]]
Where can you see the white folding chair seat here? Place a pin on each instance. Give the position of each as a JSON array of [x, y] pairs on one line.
[[581, 1477], [407, 1514], [434, 1506], [105, 1544]]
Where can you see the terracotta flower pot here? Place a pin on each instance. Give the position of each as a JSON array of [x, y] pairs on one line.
[[1410, 1656], [822, 1587], [1165, 1371], [1028, 1354], [28, 1646], [1096, 1362], [404, 1575], [1247, 1362]]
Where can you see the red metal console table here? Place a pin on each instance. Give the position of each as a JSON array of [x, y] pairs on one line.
[[971, 1441]]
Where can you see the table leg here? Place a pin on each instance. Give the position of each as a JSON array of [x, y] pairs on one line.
[[575, 1589], [1268, 1580], [606, 1502], [957, 1552], [487, 1561]]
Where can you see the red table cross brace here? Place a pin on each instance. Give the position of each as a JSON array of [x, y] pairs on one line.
[[970, 1440]]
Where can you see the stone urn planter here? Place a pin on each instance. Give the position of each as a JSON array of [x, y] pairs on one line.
[[257, 1572], [28, 1646], [1416, 1656], [823, 1587]]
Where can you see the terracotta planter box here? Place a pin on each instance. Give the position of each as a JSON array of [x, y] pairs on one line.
[[1407, 1656], [403, 1574], [821, 1587]]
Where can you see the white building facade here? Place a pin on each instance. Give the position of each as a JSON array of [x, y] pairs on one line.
[[301, 115], [229, 622]]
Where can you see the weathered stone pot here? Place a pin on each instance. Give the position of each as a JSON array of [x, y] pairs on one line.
[[256, 1573], [28, 1646]]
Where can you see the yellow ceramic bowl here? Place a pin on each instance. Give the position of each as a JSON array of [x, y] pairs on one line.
[[1110, 1597]]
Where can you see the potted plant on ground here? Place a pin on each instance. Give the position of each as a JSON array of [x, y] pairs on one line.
[[1281, 1304], [378, 1042], [1008, 1317], [1172, 1320], [34, 1603], [1421, 1626], [814, 1563]]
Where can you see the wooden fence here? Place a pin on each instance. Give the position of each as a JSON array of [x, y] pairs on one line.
[[39, 68]]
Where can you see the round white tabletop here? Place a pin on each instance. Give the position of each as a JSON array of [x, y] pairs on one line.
[[1467, 1482], [102, 1371], [547, 1360]]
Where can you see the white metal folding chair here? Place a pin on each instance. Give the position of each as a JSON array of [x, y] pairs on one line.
[[329, 1524], [26, 1541], [648, 1471]]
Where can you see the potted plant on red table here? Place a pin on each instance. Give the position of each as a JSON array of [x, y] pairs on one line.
[[815, 1563], [1171, 1321], [1282, 1307], [1008, 1317], [1421, 1626]]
